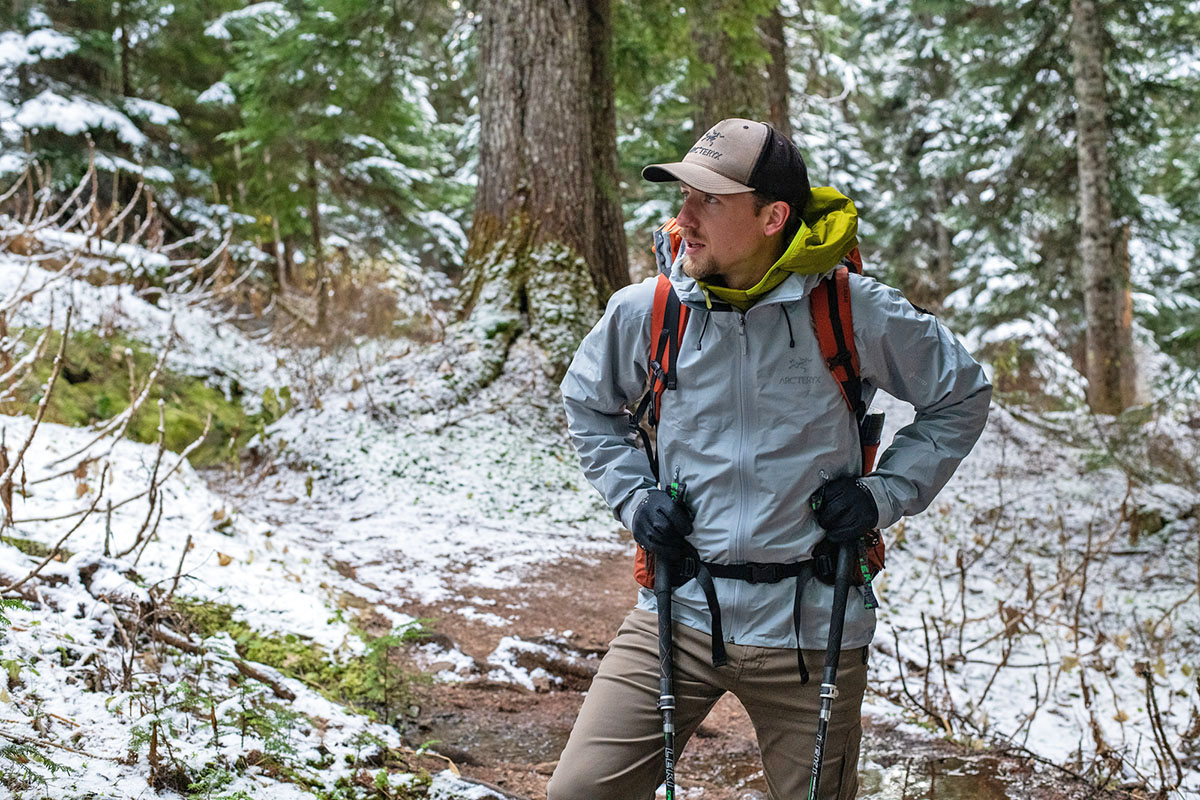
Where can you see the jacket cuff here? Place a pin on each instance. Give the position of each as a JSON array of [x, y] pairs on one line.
[[625, 513], [883, 503]]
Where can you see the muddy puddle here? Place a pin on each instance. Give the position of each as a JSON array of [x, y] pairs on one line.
[[893, 768]]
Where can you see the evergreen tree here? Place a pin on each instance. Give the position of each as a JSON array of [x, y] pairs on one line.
[[340, 147], [981, 119]]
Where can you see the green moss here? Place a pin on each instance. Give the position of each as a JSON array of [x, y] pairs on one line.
[[94, 386], [31, 548], [370, 682]]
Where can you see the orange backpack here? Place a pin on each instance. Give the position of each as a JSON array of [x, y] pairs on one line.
[[834, 325]]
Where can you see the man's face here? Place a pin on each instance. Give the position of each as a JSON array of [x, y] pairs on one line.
[[725, 237]]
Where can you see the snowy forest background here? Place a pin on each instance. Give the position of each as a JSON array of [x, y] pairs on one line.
[[344, 248]]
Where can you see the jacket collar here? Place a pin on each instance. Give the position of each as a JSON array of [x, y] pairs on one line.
[[828, 232]]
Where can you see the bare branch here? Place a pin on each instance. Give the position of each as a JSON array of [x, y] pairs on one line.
[[54, 551], [123, 420], [152, 490], [178, 642], [20, 369], [47, 389], [120, 217], [183, 455]]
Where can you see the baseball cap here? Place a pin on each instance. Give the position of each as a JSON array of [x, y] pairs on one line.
[[740, 155]]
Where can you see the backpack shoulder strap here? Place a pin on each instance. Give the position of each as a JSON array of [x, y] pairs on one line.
[[834, 324], [668, 318], [667, 323]]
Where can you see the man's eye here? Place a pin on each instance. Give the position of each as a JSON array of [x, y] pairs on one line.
[[712, 199]]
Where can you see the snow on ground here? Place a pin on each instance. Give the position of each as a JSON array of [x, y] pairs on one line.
[[1026, 560], [201, 346], [70, 632]]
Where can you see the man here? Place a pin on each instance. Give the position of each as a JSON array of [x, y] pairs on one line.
[[755, 428]]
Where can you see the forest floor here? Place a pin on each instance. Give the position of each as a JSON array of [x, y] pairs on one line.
[[509, 737], [1015, 629], [512, 663]]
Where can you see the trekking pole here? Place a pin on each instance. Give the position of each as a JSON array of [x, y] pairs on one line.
[[666, 695], [847, 555], [666, 684]]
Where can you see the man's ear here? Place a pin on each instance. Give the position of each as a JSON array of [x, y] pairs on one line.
[[777, 217]]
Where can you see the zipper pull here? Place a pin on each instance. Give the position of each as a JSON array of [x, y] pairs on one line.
[[742, 333]]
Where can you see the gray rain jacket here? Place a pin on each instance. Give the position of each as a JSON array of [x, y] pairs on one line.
[[758, 424]]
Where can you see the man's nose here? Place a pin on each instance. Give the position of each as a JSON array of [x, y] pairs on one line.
[[685, 218]]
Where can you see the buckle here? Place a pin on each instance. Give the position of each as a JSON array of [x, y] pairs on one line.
[[842, 359], [763, 573], [656, 370]]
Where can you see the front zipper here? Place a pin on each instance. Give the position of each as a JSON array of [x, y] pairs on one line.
[[737, 550]]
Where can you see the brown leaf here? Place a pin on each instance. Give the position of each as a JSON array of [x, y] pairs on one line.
[[81, 471], [218, 515], [81, 488], [6, 491], [223, 559], [1012, 620]]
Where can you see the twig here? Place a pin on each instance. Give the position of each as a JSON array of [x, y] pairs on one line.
[[187, 451], [126, 417], [150, 536], [179, 570], [243, 667], [1160, 735], [55, 549], [904, 686], [127, 678], [152, 490], [1170, 611], [120, 217], [6, 478], [19, 739], [27, 360]]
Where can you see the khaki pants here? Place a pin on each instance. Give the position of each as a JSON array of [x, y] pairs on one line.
[[616, 747]]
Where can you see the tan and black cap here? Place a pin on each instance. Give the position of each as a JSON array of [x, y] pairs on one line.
[[740, 155]]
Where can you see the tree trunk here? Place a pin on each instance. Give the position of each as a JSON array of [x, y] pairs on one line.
[[736, 84], [546, 228], [610, 257], [1109, 335], [1130, 388], [123, 22], [314, 219], [943, 241], [779, 87]]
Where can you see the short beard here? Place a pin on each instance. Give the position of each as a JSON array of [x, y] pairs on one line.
[[702, 269]]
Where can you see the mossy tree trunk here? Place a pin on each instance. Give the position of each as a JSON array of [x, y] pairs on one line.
[[779, 86], [1105, 278], [547, 246], [734, 54]]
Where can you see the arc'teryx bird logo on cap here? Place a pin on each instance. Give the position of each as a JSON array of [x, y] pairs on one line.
[[709, 138]]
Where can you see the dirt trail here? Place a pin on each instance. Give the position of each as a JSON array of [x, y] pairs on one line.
[[510, 737]]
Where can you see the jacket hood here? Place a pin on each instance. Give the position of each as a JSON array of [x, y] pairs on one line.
[[828, 231]]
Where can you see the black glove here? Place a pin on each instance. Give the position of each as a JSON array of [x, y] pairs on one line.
[[845, 509], [660, 525]]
